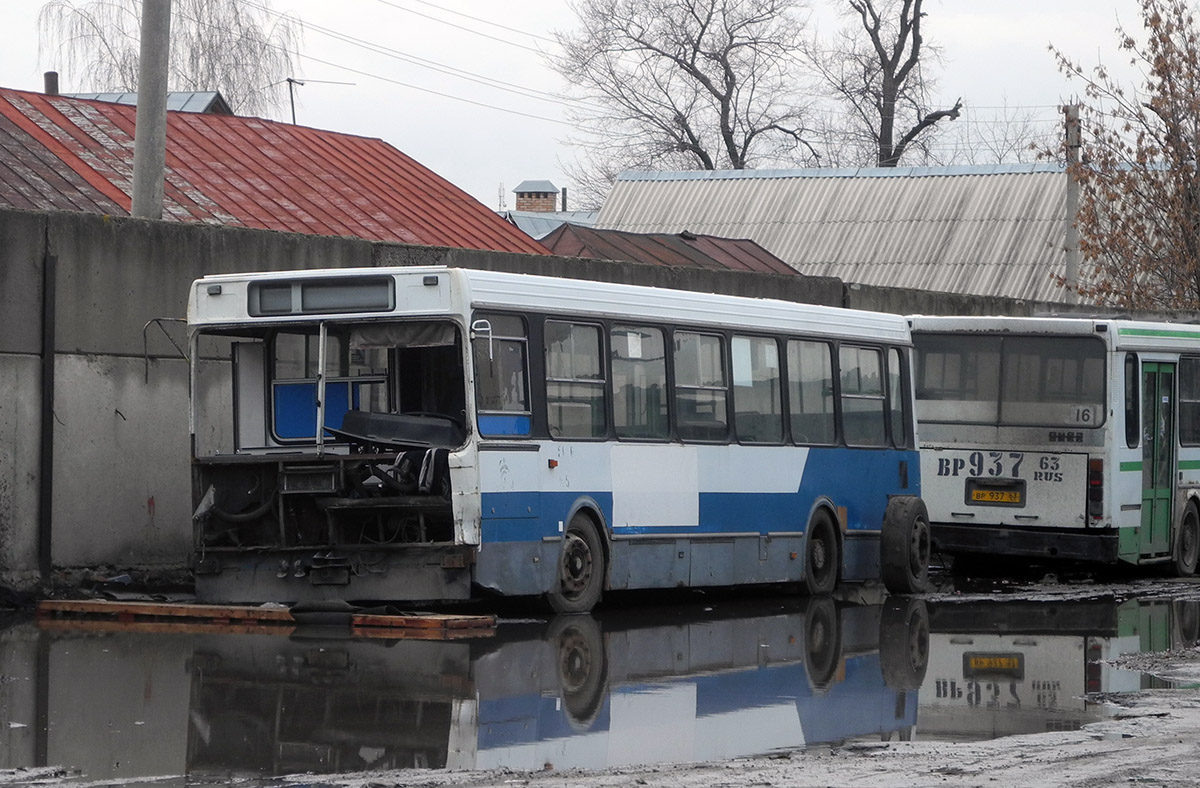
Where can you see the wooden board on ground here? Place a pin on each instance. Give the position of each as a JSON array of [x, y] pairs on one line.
[[106, 615]]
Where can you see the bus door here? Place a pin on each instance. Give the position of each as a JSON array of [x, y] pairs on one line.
[[1158, 456]]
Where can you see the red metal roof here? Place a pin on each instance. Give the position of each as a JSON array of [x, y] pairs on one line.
[[683, 249], [60, 153]]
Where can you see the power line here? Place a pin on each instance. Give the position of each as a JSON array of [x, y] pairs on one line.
[[433, 92], [521, 90], [460, 27], [401, 83], [481, 20]]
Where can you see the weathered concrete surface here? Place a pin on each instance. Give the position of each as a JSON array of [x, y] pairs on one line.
[[20, 383], [114, 275], [22, 240], [121, 467]]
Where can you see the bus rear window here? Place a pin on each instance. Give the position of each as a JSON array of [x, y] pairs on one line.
[[1047, 381]]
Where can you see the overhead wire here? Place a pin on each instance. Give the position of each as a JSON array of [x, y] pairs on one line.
[[533, 93], [380, 49]]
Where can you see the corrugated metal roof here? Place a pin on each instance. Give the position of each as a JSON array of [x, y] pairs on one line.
[[539, 187], [180, 100], [538, 224], [59, 153], [683, 250], [991, 230]]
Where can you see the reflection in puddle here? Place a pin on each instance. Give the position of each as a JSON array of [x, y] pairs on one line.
[[575, 694], [630, 687], [1004, 668]]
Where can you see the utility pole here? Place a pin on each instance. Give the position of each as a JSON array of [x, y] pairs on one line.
[[292, 95], [1071, 242], [150, 129]]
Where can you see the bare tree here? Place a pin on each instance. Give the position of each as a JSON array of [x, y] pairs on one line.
[[999, 135], [685, 84], [240, 48], [875, 68], [1139, 213]]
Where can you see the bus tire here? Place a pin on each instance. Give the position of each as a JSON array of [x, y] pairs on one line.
[[822, 556], [905, 545], [904, 642], [580, 575], [822, 642], [582, 668], [1187, 542], [1185, 623]]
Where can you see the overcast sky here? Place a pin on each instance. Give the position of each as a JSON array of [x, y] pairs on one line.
[[486, 140]]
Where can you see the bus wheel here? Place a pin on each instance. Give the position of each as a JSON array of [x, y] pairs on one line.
[[904, 643], [1187, 543], [582, 667], [821, 558], [822, 643], [905, 545], [580, 568]]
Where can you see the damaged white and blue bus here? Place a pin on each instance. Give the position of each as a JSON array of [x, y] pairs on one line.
[[430, 433], [1061, 438]]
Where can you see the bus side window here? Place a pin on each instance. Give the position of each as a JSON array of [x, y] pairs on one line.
[[501, 375], [861, 371], [896, 403], [575, 406], [757, 407], [639, 382], [701, 389], [1189, 401], [810, 392], [1133, 385]]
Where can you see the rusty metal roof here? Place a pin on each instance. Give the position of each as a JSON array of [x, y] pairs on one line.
[[60, 153], [981, 230], [680, 249]]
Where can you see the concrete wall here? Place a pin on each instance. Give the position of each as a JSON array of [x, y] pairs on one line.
[[120, 484]]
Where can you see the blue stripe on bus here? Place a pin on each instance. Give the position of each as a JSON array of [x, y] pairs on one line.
[[857, 704], [858, 480]]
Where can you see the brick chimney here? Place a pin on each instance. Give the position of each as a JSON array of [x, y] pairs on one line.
[[536, 196]]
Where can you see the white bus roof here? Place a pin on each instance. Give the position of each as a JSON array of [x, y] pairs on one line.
[[1124, 334], [222, 300]]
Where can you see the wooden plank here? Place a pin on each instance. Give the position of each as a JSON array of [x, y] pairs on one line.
[[424, 621], [233, 618], [408, 633], [161, 627], [162, 609]]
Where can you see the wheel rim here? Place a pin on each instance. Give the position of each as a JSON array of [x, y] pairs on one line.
[[820, 551], [1189, 539], [918, 644], [574, 661], [575, 569], [918, 547]]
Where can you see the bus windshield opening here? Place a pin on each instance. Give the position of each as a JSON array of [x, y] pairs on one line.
[[1048, 381], [401, 383]]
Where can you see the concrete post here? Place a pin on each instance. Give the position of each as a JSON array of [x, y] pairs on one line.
[[150, 132], [1071, 242]]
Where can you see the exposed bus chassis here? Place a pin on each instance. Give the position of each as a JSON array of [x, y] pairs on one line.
[[364, 525]]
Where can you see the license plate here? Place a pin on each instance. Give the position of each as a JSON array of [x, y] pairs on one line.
[[996, 496], [981, 664], [994, 663]]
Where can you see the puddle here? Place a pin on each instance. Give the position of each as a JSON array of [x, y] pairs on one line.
[[629, 687], [1001, 668]]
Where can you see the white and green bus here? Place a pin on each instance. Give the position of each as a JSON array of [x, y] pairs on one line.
[[1062, 438]]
